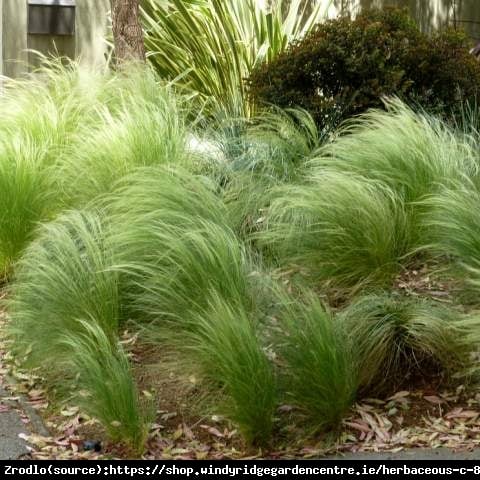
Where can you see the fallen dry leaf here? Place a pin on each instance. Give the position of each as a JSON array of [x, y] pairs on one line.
[[434, 399]]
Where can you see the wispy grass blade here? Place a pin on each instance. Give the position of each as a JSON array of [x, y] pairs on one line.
[[226, 346], [140, 134], [452, 220], [28, 197], [64, 316], [192, 286], [62, 278], [48, 121]]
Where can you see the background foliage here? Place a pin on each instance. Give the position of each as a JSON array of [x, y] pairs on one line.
[[344, 67], [210, 46]]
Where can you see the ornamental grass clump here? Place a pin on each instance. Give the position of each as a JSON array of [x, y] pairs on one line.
[[343, 230], [38, 122], [225, 348], [413, 153], [396, 339], [64, 316], [28, 196], [209, 47], [276, 143], [452, 221], [141, 133], [107, 388], [63, 277], [196, 294], [164, 196], [48, 121], [319, 373]]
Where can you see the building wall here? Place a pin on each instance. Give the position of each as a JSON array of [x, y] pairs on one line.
[[87, 44], [468, 17], [14, 37], [91, 27]]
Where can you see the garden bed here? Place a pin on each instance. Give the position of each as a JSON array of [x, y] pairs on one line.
[[247, 298]]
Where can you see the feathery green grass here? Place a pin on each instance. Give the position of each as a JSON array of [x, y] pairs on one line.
[[27, 198], [108, 391], [64, 310], [141, 133], [225, 345], [396, 338], [191, 284], [320, 373], [452, 220], [63, 277], [153, 197], [185, 265], [38, 121], [49, 119], [173, 236], [343, 230], [410, 152], [275, 143]]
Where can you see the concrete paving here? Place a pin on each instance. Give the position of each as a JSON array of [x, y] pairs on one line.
[[12, 446]]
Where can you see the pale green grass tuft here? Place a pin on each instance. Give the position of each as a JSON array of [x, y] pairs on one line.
[[452, 221], [319, 373], [165, 194], [107, 389], [141, 134], [276, 143], [49, 119], [27, 198], [225, 345], [343, 230], [396, 338], [410, 152], [64, 317], [62, 278], [192, 287]]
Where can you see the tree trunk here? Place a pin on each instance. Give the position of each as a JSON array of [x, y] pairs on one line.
[[127, 31]]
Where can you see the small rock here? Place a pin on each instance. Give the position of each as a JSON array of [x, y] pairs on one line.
[[90, 445]]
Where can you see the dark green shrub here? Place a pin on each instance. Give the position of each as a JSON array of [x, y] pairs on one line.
[[345, 67]]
